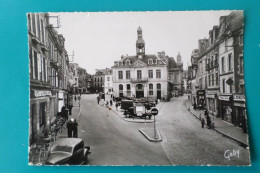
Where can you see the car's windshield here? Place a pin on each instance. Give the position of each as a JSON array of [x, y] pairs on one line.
[[67, 149]]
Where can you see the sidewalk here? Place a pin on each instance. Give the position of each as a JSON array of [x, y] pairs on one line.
[[39, 158], [221, 126]]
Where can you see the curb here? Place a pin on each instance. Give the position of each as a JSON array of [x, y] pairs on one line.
[[224, 134], [151, 139]]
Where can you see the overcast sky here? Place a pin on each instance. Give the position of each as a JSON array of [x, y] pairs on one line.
[[100, 38]]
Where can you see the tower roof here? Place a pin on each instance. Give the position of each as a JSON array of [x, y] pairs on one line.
[[139, 29]]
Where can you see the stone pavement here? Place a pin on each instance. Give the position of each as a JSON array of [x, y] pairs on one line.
[[221, 126]]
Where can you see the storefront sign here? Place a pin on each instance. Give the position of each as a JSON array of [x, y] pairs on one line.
[[38, 93], [239, 97], [210, 96], [225, 98], [240, 104], [201, 93]]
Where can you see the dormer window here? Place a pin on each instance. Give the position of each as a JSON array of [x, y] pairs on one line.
[[128, 62], [157, 61], [150, 61]]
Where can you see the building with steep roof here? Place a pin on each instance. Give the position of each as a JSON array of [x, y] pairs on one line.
[[140, 75]]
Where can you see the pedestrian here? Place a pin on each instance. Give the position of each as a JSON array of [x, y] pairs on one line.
[[98, 99], [70, 109], [202, 122], [111, 95], [156, 101], [69, 128], [79, 97], [75, 129], [116, 106], [208, 121], [194, 106], [75, 98], [107, 103], [111, 102]]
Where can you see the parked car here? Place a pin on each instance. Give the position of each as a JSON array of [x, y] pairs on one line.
[[71, 151], [138, 110]]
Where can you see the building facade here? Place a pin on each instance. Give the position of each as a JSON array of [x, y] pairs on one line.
[[223, 80], [48, 73], [141, 75], [108, 84]]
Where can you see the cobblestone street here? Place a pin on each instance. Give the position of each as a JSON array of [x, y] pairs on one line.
[[186, 143]]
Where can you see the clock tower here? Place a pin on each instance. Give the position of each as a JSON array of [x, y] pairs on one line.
[[140, 45]]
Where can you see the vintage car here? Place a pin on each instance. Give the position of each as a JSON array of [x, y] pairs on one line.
[[138, 110], [70, 151]]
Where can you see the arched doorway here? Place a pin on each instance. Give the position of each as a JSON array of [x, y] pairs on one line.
[[139, 90]]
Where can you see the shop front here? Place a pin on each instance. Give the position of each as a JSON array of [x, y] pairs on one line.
[[240, 111], [212, 104], [201, 101], [226, 111], [39, 113]]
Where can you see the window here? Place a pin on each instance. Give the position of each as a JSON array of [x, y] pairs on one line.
[[241, 68], [150, 61], [209, 80], [158, 74], [216, 78], [44, 69], [29, 22], [158, 86], [31, 64], [128, 74], [33, 24], [150, 89], [241, 39], [223, 64], [223, 85], [139, 74], [229, 62], [108, 78], [35, 65], [212, 79], [121, 87], [42, 30], [128, 62], [42, 114], [120, 75], [38, 27], [150, 73], [128, 87]]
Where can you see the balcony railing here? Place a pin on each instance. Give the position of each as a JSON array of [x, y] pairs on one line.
[[136, 80]]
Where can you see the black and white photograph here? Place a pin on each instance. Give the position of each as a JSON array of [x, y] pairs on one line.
[[137, 88]]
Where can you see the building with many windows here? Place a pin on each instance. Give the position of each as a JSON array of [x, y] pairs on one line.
[[141, 75], [48, 73], [220, 74], [108, 84]]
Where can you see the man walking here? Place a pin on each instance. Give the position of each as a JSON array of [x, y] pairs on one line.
[[98, 99], [111, 102]]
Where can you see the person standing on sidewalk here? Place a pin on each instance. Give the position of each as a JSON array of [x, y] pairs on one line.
[[69, 128], [75, 129], [111, 102], [98, 99], [202, 122], [116, 106]]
